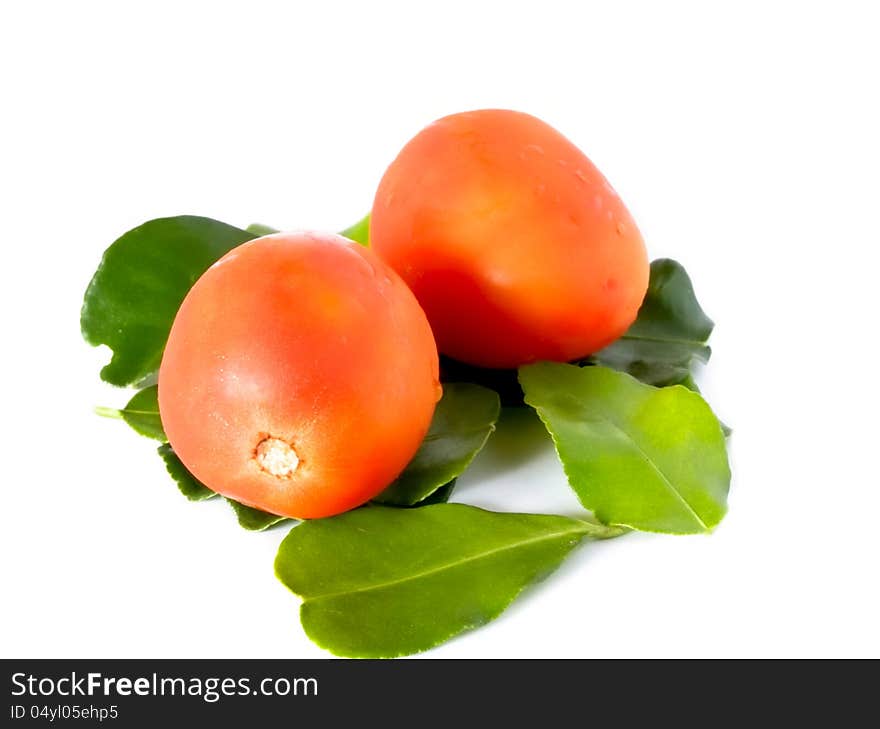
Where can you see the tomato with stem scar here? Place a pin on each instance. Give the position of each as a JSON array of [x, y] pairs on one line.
[[300, 375]]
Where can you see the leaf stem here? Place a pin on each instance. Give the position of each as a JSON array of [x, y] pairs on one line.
[[105, 412], [594, 530]]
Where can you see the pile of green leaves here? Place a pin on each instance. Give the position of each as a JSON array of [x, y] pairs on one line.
[[640, 448]]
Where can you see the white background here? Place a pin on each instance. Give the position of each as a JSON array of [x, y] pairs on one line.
[[745, 142]]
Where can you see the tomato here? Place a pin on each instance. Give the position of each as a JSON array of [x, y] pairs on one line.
[[513, 242], [300, 375]]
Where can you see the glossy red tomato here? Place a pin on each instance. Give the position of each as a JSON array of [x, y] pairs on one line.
[[300, 375], [513, 242]]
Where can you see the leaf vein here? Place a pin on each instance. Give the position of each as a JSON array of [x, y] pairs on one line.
[[666, 482], [580, 531]]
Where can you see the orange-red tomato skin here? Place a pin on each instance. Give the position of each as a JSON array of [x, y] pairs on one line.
[[309, 339], [515, 245]]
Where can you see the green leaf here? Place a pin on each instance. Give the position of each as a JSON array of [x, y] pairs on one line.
[[143, 277], [142, 413], [463, 421], [648, 458], [379, 582], [359, 232], [254, 519], [440, 496], [258, 229], [669, 333], [188, 484], [691, 384]]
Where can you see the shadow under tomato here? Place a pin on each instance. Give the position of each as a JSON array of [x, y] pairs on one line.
[[504, 382]]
